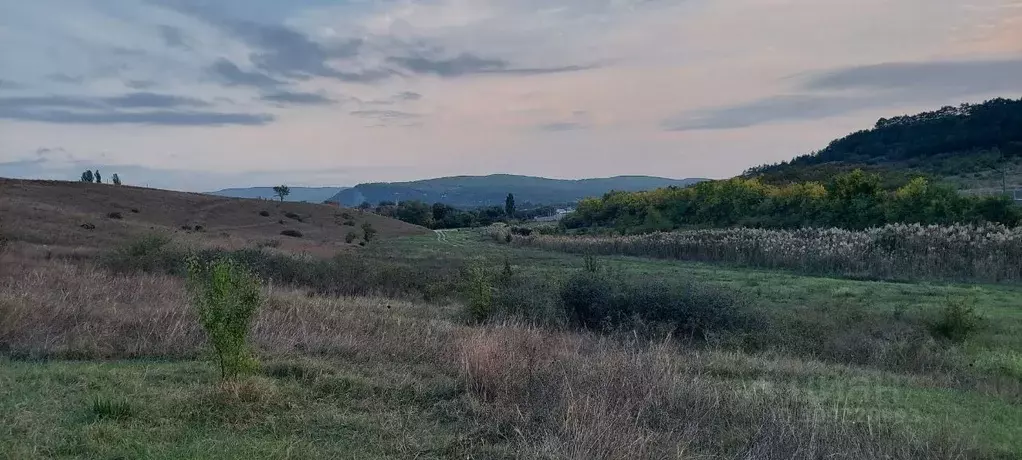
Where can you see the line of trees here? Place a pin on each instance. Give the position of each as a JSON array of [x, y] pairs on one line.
[[441, 216], [853, 200], [95, 177]]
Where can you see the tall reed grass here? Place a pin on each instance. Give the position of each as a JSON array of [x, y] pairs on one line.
[[985, 253]]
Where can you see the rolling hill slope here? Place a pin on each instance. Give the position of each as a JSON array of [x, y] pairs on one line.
[[298, 194], [476, 191], [75, 214], [974, 146]]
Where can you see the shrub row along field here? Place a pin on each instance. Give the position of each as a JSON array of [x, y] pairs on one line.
[[987, 253], [854, 200]]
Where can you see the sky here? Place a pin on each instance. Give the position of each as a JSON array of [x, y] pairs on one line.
[[205, 94]]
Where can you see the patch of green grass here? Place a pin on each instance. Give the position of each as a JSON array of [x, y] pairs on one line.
[[782, 294], [109, 409], [178, 410]]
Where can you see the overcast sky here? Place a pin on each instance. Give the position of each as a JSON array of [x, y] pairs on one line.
[[206, 94]]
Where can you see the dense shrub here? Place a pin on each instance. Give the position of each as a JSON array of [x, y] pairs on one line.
[[600, 300], [368, 232], [480, 294], [264, 213], [350, 237], [349, 223], [854, 200], [588, 297], [957, 321], [150, 253], [292, 233], [114, 215], [226, 297], [293, 216]]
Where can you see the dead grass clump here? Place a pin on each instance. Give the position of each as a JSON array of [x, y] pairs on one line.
[[58, 309], [584, 397], [503, 368]]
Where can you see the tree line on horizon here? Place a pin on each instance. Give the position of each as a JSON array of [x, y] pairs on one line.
[[96, 177], [854, 200], [444, 216]]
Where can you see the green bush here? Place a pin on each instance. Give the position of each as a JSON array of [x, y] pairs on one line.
[[588, 297], [480, 294], [368, 232], [603, 301], [958, 320], [226, 297], [151, 253]]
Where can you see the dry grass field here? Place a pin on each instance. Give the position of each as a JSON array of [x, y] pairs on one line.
[[369, 352], [53, 213]]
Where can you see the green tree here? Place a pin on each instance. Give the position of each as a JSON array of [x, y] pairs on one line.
[[368, 232], [116, 179], [282, 191], [99, 180], [87, 176], [439, 212], [415, 212], [509, 206], [226, 298]]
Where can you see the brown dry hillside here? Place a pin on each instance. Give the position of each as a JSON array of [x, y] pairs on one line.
[[63, 214]]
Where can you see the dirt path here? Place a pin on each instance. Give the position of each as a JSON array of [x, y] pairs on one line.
[[441, 236]]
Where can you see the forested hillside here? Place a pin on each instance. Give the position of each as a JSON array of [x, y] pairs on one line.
[[971, 146], [483, 191], [908, 169]]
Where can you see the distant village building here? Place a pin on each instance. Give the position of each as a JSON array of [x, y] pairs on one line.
[[556, 217]]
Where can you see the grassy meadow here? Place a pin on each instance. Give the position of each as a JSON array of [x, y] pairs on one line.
[[453, 345]]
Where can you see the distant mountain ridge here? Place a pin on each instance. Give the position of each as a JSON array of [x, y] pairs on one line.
[[491, 190], [298, 194]]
